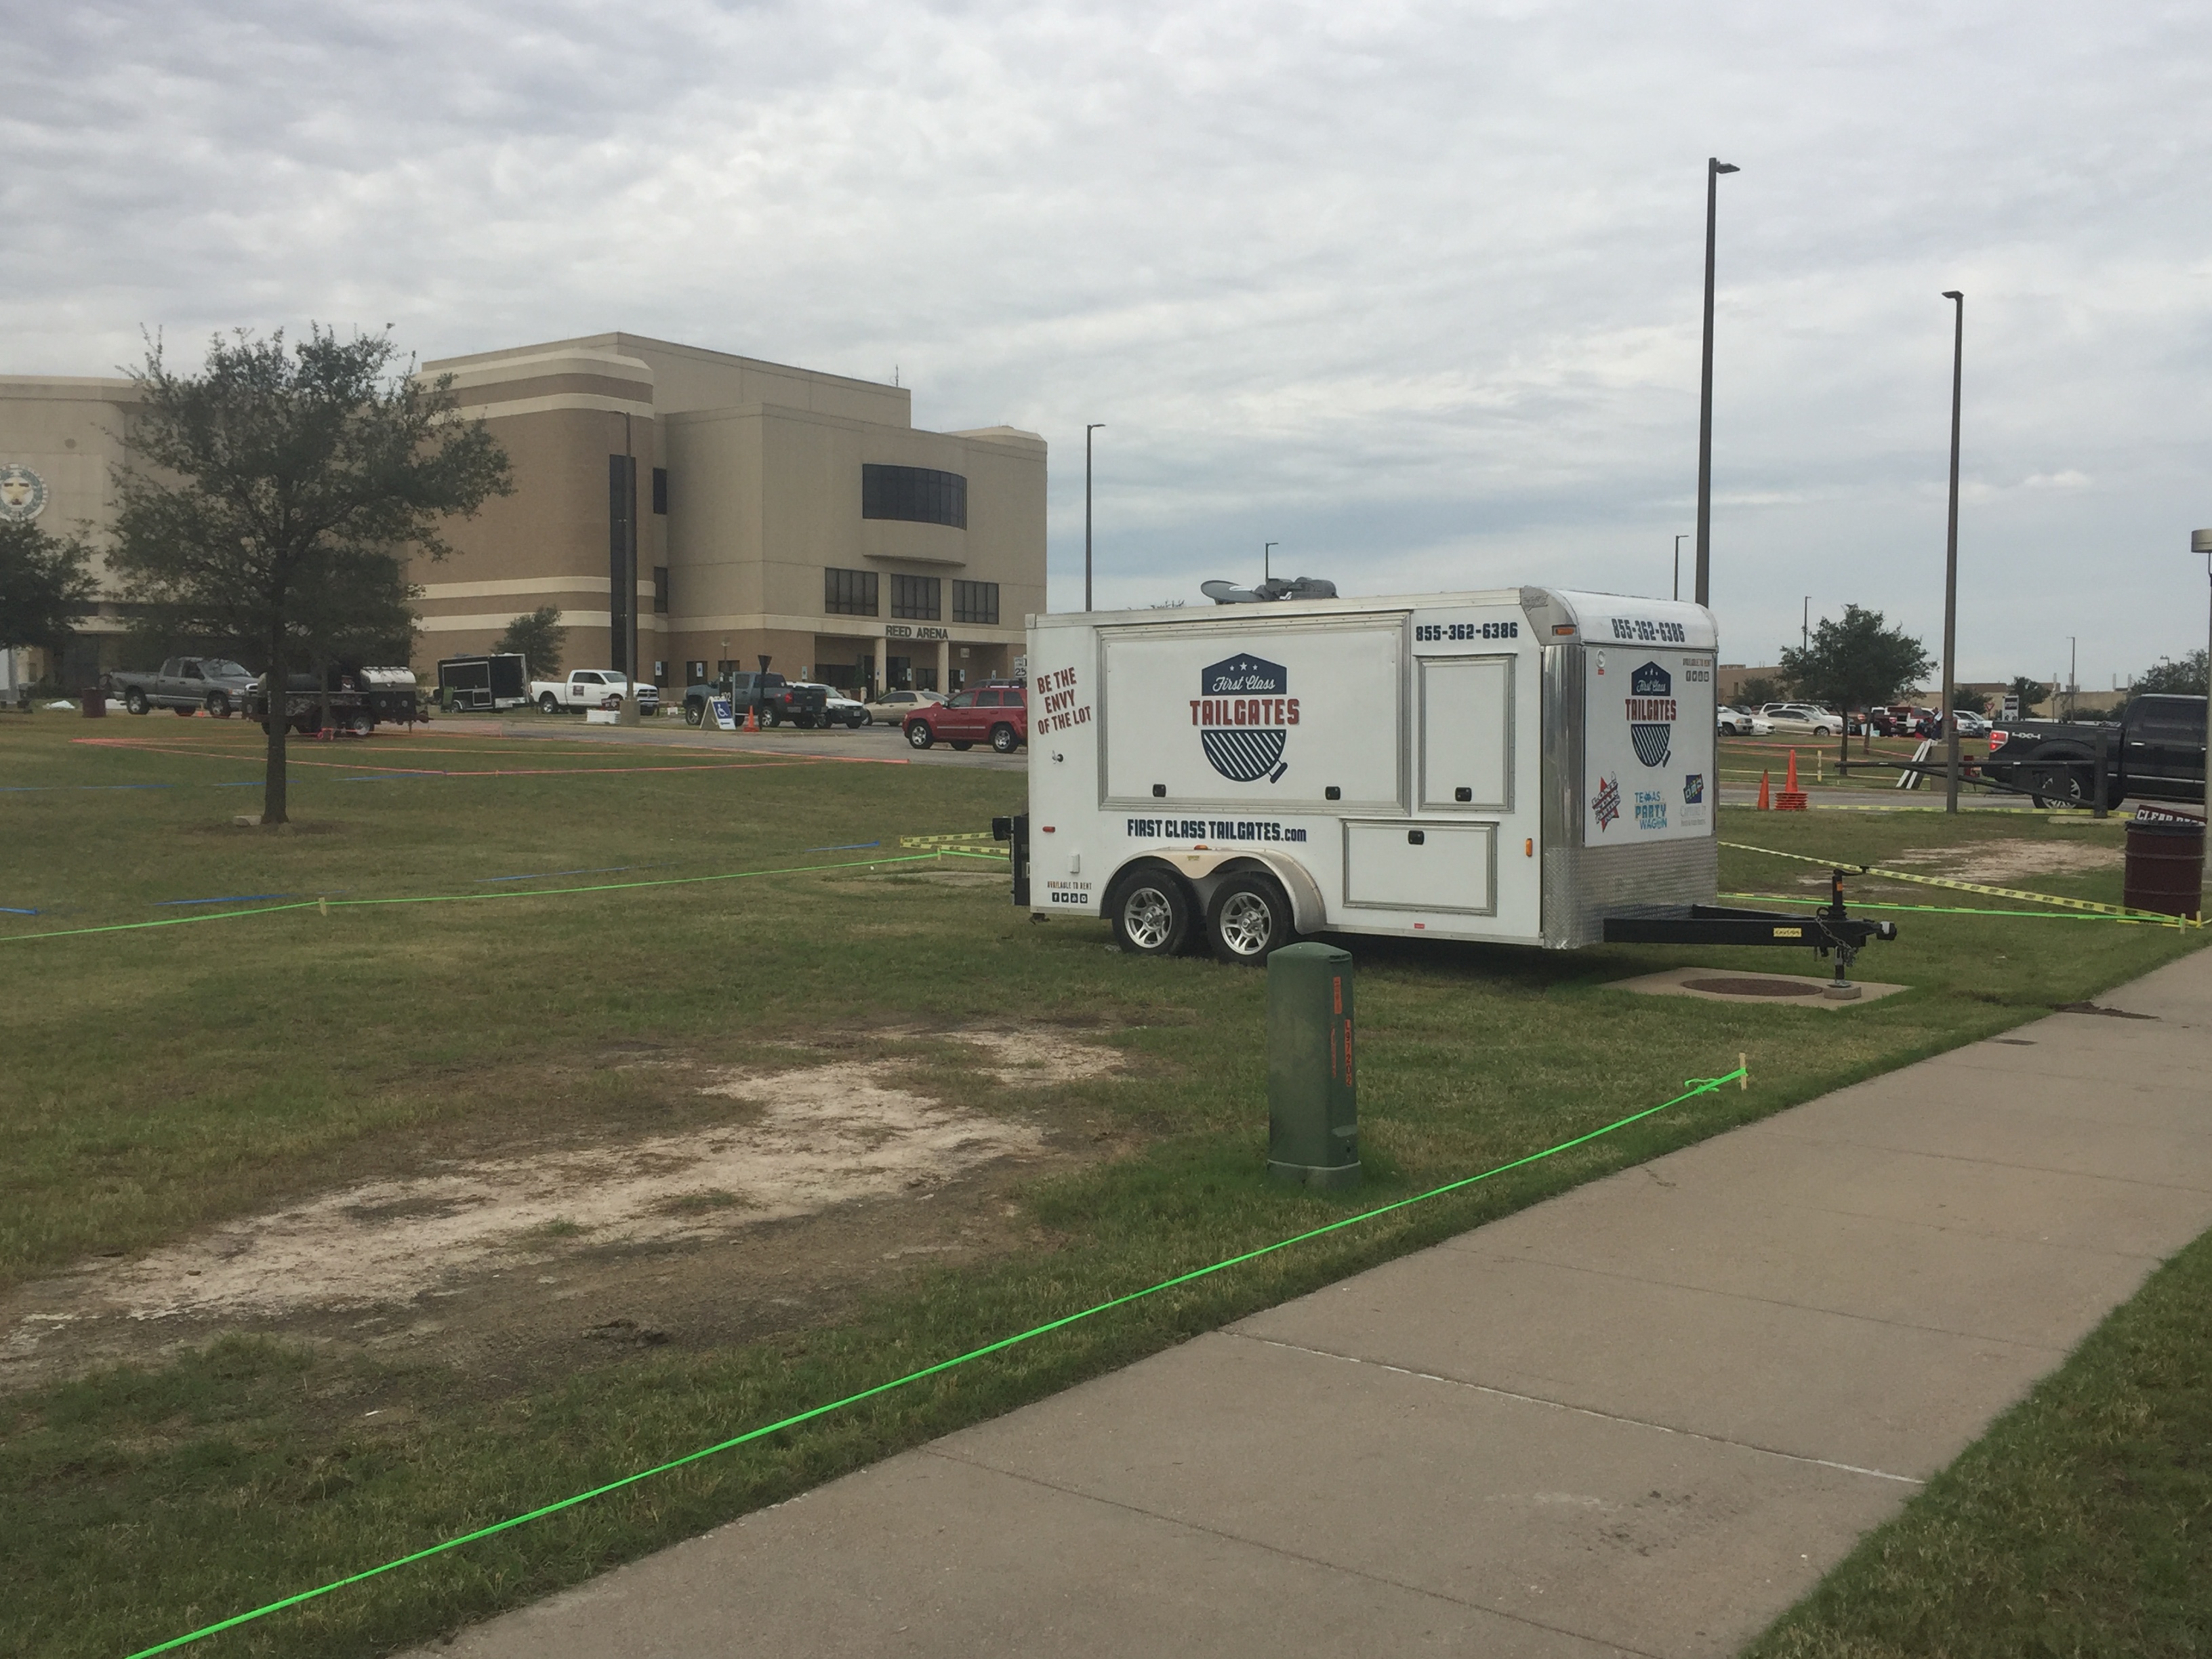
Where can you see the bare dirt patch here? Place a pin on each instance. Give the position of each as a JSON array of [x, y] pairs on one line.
[[711, 1225], [1995, 863]]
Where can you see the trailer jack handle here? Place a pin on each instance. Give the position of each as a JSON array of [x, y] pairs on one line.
[[1840, 988]]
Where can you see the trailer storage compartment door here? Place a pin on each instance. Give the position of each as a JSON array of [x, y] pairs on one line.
[[1421, 866], [1466, 734]]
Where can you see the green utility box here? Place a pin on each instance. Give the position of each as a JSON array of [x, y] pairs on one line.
[[1313, 1116]]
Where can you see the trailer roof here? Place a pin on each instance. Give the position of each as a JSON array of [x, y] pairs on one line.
[[1549, 608]]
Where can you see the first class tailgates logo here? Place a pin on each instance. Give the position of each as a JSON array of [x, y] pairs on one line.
[[1650, 703], [1243, 717]]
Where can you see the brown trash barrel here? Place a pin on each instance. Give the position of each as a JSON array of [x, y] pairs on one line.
[[2165, 864], [92, 702]]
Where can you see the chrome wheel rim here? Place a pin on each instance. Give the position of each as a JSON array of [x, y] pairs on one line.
[[1147, 918], [1245, 923]]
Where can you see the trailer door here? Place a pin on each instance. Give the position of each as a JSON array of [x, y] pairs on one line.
[[1466, 734]]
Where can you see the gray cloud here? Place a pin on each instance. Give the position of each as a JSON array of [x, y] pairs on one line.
[[1412, 290]]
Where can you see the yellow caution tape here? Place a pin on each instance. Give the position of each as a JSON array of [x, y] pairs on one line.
[[1956, 886]]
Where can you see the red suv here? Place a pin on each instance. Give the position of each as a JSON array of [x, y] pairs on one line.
[[996, 714]]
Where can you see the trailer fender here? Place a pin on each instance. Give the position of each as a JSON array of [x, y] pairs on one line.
[[1203, 870]]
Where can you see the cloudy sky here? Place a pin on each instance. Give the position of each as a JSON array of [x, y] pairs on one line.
[[1413, 290]]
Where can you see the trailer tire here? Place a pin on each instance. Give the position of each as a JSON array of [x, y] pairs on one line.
[[1150, 910], [1249, 918]]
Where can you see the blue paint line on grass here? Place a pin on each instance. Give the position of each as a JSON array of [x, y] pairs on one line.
[[15, 910], [846, 847], [611, 869]]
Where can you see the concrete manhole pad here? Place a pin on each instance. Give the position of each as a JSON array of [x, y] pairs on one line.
[[1797, 990]]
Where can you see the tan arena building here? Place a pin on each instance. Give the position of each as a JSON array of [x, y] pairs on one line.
[[683, 508]]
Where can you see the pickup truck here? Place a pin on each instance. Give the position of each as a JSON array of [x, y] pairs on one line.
[[187, 685], [2154, 751], [593, 688], [773, 700]]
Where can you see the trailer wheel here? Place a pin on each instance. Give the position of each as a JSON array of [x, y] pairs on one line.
[[1249, 918], [1150, 910]]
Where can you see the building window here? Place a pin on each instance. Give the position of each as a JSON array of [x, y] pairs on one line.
[[917, 598], [976, 602], [914, 493], [660, 489], [849, 593], [661, 591]]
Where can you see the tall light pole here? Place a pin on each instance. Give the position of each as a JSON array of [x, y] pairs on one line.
[[1678, 565], [1087, 431], [1264, 552], [1951, 564], [2201, 542], [1805, 625], [1714, 168]]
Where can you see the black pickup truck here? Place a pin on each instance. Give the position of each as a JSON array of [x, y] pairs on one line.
[[2154, 751], [773, 699]]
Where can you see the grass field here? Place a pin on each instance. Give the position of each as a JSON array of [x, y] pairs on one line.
[[161, 1082]]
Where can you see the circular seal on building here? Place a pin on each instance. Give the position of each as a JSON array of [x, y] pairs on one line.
[[23, 494]]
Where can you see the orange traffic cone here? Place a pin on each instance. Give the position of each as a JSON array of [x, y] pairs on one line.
[[1792, 799], [1765, 802], [752, 719]]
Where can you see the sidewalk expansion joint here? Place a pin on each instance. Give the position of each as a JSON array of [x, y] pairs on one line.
[[1777, 1129], [1321, 1561], [1766, 1301], [1582, 1411]]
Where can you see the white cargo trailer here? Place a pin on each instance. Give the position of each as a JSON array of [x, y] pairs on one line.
[[1529, 766]]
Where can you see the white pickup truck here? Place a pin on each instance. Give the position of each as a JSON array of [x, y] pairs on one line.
[[593, 688]]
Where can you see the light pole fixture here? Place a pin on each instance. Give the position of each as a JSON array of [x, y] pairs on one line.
[[1094, 426], [1264, 553], [1951, 564], [2200, 541], [1714, 168], [1678, 565]]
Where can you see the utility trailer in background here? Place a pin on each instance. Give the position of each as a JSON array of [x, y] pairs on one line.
[[1529, 766], [483, 682]]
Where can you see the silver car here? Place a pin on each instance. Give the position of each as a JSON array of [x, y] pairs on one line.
[[1803, 719]]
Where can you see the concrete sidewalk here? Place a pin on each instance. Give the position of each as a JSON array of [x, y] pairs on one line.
[[1643, 1418]]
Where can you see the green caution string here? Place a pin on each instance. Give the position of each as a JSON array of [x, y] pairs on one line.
[[1692, 1088]]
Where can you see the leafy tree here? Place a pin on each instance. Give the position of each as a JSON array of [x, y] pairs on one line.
[[2031, 693], [45, 584], [286, 487], [1758, 689], [1974, 702], [538, 638], [1855, 663], [2185, 676]]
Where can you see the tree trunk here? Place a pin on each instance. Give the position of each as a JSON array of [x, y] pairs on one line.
[[273, 705]]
